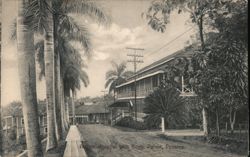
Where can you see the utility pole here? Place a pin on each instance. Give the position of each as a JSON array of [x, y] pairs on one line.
[[135, 60], [105, 105]]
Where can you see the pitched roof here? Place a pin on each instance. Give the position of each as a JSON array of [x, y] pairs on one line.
[[88, 109], [186, 52]]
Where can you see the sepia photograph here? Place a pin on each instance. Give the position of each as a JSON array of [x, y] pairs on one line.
[[124, 78]]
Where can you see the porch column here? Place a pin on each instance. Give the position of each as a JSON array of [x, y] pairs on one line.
[[158, 80], [111, 123], [12, 122], [17, 128], [39, 120], [122, 113]]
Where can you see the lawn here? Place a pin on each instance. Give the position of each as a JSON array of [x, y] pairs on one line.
[[105, 141]]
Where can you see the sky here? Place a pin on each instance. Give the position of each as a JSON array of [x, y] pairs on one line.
[[127, 29]]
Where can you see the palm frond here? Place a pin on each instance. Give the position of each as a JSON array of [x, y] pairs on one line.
[[112, 86], [71, 30], [109, 81], [36, 15], [84, 77], [121, 68], [115, 65], [111, 74], [127, 74], [88, 8]]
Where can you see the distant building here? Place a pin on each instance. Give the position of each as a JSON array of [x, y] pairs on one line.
[[92, 113], [14, 121], [147, 80]]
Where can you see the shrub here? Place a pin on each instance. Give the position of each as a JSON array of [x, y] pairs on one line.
[[165, 102], [12, 134], [131, 123]]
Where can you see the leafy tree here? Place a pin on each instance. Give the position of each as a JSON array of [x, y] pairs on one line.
[[215, 60], [200, 11], [165, 102], [159, 12], [116, 76], [222, 81], [13, 108]]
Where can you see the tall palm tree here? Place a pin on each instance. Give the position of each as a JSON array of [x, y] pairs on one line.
[[50, 79], [116, 76], [27, 78], [67, 28], [70, 63], [1, 142]]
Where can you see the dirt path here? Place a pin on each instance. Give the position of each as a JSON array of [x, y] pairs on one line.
[[104, 141]]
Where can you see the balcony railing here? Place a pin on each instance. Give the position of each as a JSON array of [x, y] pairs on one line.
[[139, 93]]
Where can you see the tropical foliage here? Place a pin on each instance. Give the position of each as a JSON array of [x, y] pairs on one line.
[[60, 62], [165, 102], [222, 81], [117, 75], [219, 64]]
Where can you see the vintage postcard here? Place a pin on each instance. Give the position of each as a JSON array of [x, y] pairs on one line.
[[124, 78]]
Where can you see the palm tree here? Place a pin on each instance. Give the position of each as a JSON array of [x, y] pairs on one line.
[[69, 29], [116, 76], [71, 69], [65, 26], [27, 78], [50, 80], [1, 142], [164, 102], [72, 78]]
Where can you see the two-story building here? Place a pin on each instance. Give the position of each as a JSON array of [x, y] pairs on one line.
[[147, 80]]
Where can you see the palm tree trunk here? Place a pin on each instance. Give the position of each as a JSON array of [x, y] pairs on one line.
[[63, 111], [27, 78], [59, 130], [217, 123], [232, 117], [72, 95], [67, 110], [57, 97], [1, 136], [50, 82]]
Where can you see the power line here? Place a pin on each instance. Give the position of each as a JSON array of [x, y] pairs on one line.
[[156, 51], [135, 60]]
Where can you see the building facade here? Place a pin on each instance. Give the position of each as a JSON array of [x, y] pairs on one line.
[[14, 121], [96, 113], [148, 79]]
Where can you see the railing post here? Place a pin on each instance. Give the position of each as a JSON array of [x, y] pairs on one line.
[[240, 130], [226, 128]]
